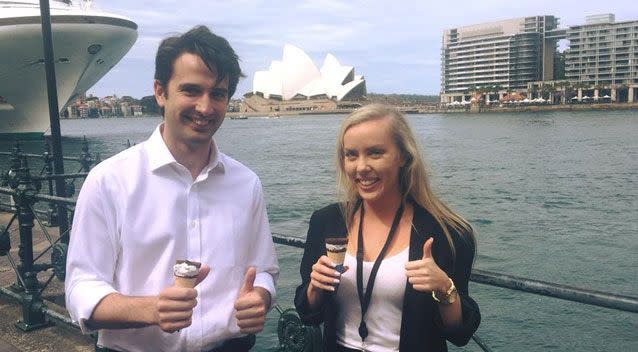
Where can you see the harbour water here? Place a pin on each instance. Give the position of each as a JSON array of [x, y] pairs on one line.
[[553, 196]]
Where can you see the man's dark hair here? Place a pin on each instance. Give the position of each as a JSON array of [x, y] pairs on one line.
[[214, 50]]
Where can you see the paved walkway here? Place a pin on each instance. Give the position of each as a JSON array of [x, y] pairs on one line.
[[58, 337], [54, 338]]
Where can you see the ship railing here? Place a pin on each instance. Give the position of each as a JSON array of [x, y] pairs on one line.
[[24, 191]]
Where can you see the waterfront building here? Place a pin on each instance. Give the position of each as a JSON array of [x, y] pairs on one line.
[[502, 56], [602, 59], [84, 111], [296, 84], [137, 110]]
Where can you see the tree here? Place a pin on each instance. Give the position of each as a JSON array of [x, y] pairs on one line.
[[128, 99], [551, 89], [149, 105], [533, 91], [559, 65]]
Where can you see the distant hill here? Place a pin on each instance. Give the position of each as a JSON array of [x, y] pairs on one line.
[[402, 98]]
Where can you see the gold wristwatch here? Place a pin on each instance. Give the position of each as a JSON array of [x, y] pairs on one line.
[[450, 295]]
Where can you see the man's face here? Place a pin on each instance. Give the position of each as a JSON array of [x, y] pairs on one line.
[[194, 102]]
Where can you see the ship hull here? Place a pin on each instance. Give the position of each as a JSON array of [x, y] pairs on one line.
[[86, 47]]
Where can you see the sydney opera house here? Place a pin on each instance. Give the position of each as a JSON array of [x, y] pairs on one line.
[[296, 84]]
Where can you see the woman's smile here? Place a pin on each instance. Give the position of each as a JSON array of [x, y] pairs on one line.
[[372, 160]]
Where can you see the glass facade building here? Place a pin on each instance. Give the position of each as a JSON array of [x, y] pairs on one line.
[[504, 55]]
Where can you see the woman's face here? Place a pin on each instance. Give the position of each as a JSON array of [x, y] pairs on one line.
[[372, 160]]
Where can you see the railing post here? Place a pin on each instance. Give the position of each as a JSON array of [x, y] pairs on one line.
[[52, 211], [27, 284], [86, 159], [14, 160]]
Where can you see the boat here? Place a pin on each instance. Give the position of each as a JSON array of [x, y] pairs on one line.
[[87, 44]]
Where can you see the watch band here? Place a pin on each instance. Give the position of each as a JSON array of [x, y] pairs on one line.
[[450, 295]]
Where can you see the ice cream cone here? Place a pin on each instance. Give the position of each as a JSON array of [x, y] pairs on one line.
[[185, 273], [336, 250], [188, 282]]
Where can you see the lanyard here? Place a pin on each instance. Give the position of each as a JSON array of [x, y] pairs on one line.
[[365, 300]]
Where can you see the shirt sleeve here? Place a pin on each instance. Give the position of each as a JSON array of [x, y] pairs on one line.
[[263, 248], [91, 256], [471, 315]]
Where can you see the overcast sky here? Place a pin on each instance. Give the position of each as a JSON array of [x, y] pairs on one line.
[[395, 44]]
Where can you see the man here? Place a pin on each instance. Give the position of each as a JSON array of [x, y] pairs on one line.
[[175, 196]]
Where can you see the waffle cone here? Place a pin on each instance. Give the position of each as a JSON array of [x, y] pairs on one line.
[[188, 282], [337, 257]]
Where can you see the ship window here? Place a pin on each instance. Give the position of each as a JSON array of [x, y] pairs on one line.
[[94, 49]]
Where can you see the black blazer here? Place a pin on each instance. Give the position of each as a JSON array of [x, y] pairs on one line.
[[421, 325]]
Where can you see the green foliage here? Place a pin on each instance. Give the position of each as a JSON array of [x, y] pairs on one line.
[[128, 99], [149, 105], [408, 98]]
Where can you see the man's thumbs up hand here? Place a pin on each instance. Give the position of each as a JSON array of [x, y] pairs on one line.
[[249, 280], [251, 305]]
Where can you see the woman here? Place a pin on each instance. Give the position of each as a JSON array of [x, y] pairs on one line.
[[410, 255]]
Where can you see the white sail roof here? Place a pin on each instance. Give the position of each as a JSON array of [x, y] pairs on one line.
[[296, 76]]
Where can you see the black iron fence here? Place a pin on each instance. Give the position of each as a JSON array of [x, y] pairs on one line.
[[25, 191]]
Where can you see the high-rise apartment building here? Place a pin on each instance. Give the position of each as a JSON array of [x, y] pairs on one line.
[[504, 54], [603, 53]]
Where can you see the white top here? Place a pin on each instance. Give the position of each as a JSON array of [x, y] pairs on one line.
[[383, 318], [138, 212]]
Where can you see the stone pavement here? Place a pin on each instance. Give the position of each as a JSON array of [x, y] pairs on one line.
[[58, 337]]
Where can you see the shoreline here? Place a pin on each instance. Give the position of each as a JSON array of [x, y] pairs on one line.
[[469, 109], [415, 110], [540, 108]]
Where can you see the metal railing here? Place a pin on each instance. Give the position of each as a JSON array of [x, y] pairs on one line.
[[543, 288], [24, 189]]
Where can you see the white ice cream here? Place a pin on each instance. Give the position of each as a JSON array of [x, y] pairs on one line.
[[185, 270], [336, 247]]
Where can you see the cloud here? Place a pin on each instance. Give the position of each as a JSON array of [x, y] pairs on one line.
[[375, 37], [327, 5]]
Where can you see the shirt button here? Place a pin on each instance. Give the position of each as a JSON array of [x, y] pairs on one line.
[[193, 224]]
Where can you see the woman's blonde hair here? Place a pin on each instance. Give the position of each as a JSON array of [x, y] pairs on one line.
[[413, 176]]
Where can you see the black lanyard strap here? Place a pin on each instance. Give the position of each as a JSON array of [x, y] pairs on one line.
[[364, 300]]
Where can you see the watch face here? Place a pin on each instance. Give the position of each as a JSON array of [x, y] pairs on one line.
[[451, 297]]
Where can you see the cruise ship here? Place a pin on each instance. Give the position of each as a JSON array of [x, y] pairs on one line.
[[87, 44]]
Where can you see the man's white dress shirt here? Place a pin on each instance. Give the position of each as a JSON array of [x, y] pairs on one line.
[[138, 212]]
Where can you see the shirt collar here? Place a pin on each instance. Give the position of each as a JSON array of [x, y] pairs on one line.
[[159, 155]]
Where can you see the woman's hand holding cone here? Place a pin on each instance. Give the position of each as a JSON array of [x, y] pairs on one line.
[[324, 275]]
